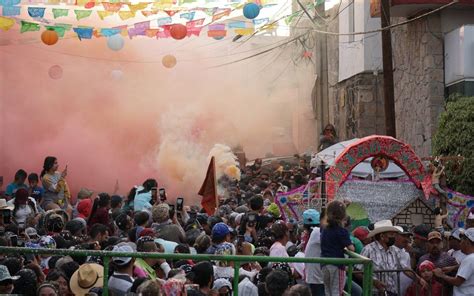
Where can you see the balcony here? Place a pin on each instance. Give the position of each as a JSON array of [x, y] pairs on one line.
[[411, 8]]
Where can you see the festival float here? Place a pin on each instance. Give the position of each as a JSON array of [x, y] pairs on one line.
[[381, 178]]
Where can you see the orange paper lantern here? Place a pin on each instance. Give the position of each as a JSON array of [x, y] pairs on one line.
[[178, 31], [49, 37], [169, 61]]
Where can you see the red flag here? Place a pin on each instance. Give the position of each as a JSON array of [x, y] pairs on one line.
[[208, 189]]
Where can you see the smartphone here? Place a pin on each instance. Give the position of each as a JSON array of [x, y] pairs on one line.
[[162, 194], [179, 204], [7, 216], [14, 240], [171, 211], [240, 240]]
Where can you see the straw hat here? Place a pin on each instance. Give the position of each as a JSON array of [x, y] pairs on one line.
[[88, 276], [4, 205], [383, 226]]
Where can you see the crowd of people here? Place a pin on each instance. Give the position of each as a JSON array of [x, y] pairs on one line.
[[37, 211]]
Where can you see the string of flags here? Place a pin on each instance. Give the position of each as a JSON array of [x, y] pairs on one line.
[[161, 27]]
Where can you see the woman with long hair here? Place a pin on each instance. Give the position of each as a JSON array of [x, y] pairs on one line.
[[24, 208], [100, 212], [57, 194]]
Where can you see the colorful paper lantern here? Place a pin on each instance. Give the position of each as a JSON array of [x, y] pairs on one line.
[[169, 61], [251, 10], [115, 42], [178, 31], [49, 37], [55, 72]]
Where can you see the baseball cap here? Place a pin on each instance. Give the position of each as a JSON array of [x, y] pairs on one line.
[[31, 232], [404, 230], [220, 230], [83, 193], [123, 247], [311, 217], [469, 233], [457, 233], [426, 265], [361, 232], [434, 235], [5, 274]]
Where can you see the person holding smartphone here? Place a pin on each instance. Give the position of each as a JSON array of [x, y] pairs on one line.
[[57, 194]]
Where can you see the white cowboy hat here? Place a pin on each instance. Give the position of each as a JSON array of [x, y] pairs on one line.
[[383, 226], [4, 205]]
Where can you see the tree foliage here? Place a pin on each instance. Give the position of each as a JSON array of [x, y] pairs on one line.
[[455, 136]]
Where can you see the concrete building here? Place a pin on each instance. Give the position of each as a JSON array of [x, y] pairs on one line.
[[432, 58]]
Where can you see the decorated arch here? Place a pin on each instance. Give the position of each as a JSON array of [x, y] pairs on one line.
[[373, 146]]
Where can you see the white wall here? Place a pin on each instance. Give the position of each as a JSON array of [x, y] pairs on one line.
[[364, 54], [458, 54]]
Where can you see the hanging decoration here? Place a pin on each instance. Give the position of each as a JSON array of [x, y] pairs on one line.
[[166, 26], [55, 72], [89, 5], [178, 31], [251, 10], [27, 26], [60, 12], [11, 10], [49, 37], [36, 12], [84, 33], [6, 23], [81, 14], [115, 42], [169, 61]]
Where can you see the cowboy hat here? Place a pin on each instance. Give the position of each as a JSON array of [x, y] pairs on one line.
[[383, 226], [88, 276], [4, 205]]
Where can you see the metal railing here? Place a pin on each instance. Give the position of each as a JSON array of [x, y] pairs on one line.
[[354, 259]]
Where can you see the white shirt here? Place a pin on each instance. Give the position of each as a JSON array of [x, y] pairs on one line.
[[313, 274], [405, 263], [228, 272], [120, 282], [278, 250], [458, 255], [247, 288], [466, 271]]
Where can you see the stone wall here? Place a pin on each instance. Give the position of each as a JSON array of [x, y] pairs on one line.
[[359, 110], [419, 81]]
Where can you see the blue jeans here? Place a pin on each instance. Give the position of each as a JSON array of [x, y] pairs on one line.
[[356, 290]]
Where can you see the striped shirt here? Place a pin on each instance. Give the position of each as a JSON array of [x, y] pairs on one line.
[[383, 260]]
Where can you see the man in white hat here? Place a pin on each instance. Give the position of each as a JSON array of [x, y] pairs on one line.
[[463, 282], [383, 255]]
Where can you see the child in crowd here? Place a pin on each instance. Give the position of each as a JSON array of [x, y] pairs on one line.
[[35, 191], [439, 219], [334, 239], [426, 272]]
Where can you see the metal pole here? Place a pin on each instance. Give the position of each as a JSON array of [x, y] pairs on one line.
[[388, 88], [236, 278], [349, 279], [105, 288]]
